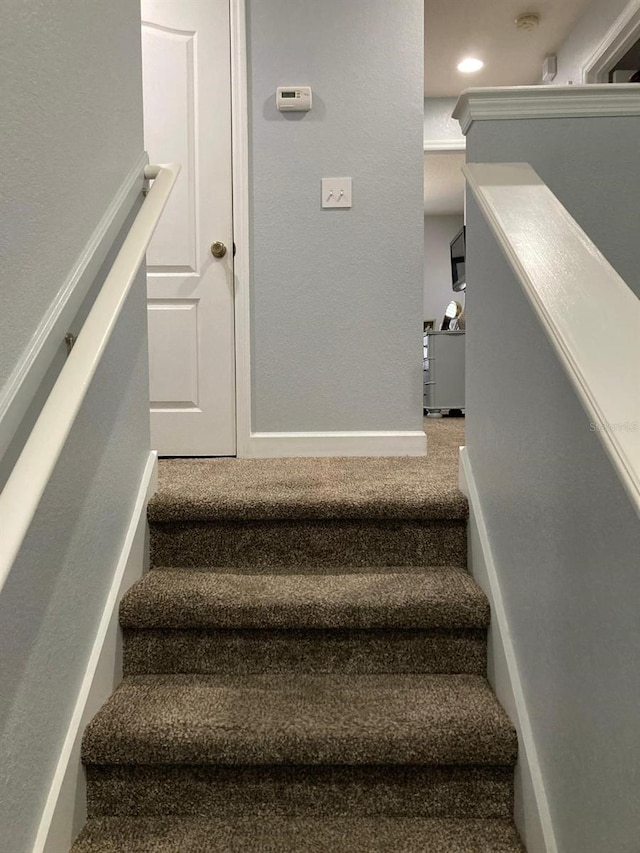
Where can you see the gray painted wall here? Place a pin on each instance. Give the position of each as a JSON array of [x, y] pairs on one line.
[[71, 131], [591, 164], [585, 37], [438, 123], [438, 233], [337, 294], [565, 541], [71, 128]]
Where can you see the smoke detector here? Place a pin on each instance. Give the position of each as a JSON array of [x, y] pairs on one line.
[[527, 22]]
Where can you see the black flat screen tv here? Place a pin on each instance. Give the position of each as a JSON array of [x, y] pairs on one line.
[[458, 274]]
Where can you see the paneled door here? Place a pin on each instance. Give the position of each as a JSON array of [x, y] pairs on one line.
[[187, 119]]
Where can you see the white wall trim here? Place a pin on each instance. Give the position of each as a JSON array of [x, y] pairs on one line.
[[65, 809], [241, 229], [532, 813], [445, 145], [22, 385], [267, 445], [616, 42], [517, 102], [536, 234]]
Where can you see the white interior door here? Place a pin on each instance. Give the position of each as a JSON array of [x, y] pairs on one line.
[[187, 118]]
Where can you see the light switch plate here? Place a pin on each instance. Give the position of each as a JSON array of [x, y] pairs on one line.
[[336, 192]]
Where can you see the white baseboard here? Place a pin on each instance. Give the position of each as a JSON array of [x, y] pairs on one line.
[[532, 815], [65, 809], [267, 445]]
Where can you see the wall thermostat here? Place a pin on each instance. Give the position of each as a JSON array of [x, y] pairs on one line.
[[293, 99]]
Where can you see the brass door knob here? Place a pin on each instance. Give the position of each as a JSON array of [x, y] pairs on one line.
[[218, 250]]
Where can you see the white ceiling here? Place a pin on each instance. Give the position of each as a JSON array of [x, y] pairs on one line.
[[484, 29]]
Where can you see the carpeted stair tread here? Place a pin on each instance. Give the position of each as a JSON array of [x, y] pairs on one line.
[[301, 719], [436, 599], [261, 834], [368, 488]]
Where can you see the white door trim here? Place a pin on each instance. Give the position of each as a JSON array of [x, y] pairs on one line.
[[616, 42], [241, 233]]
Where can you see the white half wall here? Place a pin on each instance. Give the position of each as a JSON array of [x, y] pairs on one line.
[[565, 541]]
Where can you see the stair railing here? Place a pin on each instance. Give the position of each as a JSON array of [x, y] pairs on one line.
[[29, 478], [574, 302]]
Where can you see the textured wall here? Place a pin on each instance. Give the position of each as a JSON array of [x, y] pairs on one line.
[[565, 541], [70, 125], [438, 123], [585, 37], [438, 233], [590, 164], [337, 294], [53, 600], [71, 133]]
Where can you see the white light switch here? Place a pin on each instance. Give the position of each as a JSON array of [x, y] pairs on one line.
[[336, 192]]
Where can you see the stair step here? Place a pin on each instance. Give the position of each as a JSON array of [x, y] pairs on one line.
[[299, 545], [301, 719], [293, 835], [356, 652], [439, 598], [213, 790], [201, 622], [362, 488]]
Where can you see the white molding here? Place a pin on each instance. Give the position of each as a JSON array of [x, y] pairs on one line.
[[516, 102], [32, 472], [65, 808], [22, 385], [616, 42], [532, 813], [536, 235], [444, 145], [241, 227], [267, 445]]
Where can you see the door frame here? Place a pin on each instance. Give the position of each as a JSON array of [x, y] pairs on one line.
[[241, 223], [615, 43]]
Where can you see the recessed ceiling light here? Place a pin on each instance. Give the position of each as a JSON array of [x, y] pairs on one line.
[[469, 65]]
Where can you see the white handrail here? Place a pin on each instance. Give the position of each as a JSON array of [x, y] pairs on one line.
[[577, 295], [26, 484]]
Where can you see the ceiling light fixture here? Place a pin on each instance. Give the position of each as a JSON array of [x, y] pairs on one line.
[[469, 65]]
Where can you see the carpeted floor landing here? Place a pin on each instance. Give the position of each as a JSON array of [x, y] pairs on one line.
[[304, 668]]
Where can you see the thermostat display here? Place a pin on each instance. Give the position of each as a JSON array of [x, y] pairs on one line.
[[293, 98]]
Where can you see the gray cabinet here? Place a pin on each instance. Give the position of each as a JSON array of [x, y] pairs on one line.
[[443, 371]]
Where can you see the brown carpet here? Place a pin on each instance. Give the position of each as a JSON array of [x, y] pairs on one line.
[[305, 668], [310, 488], [301, 835], [297, 835]]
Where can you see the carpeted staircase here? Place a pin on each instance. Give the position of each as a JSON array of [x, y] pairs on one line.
[[304, 670]]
